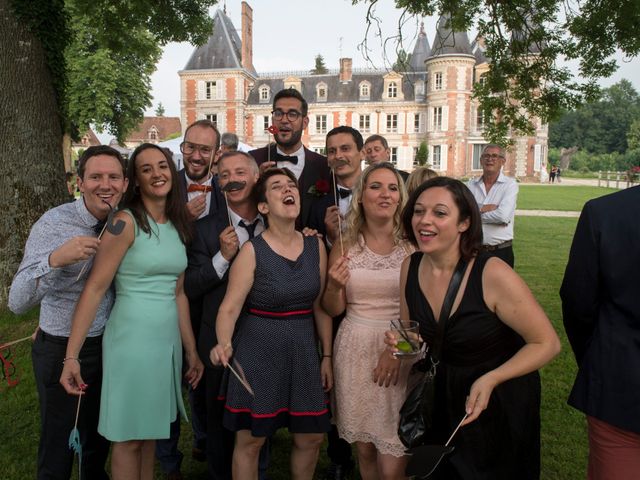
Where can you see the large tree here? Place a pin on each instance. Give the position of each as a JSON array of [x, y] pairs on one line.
[[600, 126], [64, 65], [526, 41]]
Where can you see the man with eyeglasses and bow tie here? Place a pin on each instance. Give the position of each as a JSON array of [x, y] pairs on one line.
[[289, 116], [201, 142], [496, 195]]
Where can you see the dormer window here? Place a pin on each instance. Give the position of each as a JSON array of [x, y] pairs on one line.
[[419, 88], [392, 90], [153, 133], [264, 93], [321, 92], [365, 89]]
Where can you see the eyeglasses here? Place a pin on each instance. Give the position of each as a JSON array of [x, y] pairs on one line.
[[493, 156], [188, 148], [292, 115]]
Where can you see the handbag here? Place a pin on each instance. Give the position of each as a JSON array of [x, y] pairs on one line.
[[416, 413]]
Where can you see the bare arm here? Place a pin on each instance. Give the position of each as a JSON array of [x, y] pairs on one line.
[[111, 252], [334, 299], [507, 294], [196, 369], [241, 279], [324, 326]]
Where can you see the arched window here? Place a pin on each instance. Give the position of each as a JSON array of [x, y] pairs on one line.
[[365, 89], [321, 92], [392, 90]]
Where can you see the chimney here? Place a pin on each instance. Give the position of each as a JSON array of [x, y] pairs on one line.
[[345, 69], [247, 37]]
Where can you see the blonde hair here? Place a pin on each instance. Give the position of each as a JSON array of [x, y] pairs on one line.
[[418, 177], [356, 217]]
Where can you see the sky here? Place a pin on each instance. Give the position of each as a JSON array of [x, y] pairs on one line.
[[287, 35]]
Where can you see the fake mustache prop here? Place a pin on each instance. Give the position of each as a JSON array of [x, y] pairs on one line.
[[231, 187]]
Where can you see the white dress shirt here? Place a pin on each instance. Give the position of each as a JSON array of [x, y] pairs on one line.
[[297, 168], [221, 264], [497, 225], [192, 195]]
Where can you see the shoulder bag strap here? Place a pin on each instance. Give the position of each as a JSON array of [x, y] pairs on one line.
[[445, 311]]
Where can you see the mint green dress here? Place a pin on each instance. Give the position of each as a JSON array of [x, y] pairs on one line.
[[142, 349]]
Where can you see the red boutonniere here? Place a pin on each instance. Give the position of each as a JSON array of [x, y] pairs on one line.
[[320, 188]]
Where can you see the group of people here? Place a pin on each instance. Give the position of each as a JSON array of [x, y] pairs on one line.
[[276, 281]]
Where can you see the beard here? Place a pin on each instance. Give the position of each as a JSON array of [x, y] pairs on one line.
[[296, 135]]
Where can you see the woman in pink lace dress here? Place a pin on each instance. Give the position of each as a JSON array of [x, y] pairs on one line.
[[370, 384]]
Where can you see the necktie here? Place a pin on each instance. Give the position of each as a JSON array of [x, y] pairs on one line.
[[251, 228], [287, 158], [344, 192], [194, 187]]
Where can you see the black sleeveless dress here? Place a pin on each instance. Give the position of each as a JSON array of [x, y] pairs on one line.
[[504, 442], [277, 348]]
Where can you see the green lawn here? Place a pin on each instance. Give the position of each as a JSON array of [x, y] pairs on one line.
[[551, 197]]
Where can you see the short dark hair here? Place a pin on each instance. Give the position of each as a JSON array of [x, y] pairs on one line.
[[292, 93], [470, 239], [377, 138], [357, 137], [259, 192], [207, 124], [99, 150]]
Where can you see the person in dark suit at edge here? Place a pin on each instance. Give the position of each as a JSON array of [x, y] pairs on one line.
[[289, 116], [214, 247], [203, 199], [601, 315]]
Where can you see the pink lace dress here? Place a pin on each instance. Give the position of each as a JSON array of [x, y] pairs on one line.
[[364, 411]]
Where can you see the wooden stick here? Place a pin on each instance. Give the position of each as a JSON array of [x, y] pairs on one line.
[[456, 430], [228, 212], [335, 197], [78, 411], [242, 381], [8, 344], [87, 261]]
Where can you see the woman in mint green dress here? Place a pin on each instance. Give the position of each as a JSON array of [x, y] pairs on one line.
[[142, 348]]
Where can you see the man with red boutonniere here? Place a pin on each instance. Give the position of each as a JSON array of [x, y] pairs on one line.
[[345, 154], [289, 120]]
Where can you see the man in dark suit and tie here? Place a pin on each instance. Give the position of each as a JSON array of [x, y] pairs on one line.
[[601, 314], [203, 198], [214, 247], [290, 118]]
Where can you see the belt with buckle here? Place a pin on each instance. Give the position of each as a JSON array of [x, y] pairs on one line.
[[491, 248]]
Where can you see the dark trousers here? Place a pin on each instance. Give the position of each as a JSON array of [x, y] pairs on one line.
[[338, 449], [505, 254], [219, 440], [58, 409]]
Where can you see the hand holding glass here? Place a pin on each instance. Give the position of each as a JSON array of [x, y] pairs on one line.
[[408, 338]]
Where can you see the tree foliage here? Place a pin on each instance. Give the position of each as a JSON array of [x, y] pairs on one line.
[[601, 126], [422, 154], [159, 110], [402, 61], [525, 42], [320, 67]]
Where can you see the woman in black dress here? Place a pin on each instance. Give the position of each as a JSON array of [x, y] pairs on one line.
[[496, 338], [278, 276]]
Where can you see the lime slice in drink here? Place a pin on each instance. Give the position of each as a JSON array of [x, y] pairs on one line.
[[404, 346]]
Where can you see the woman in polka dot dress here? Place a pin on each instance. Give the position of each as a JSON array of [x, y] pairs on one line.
[[278, 277]]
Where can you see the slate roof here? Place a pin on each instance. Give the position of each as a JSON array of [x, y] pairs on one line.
[[222, 50], [337, 91], [477, 47], [421, 52], [448, 42], [92, 139]]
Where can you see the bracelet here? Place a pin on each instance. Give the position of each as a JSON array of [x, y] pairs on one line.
[[71, 358], [327, 356]]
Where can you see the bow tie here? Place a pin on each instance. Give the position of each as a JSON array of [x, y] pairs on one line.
[[287, 158], [194, 187], [344, 192]]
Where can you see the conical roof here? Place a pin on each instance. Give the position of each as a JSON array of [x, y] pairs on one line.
[[448, 42], [222, 50], [421, 51]]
